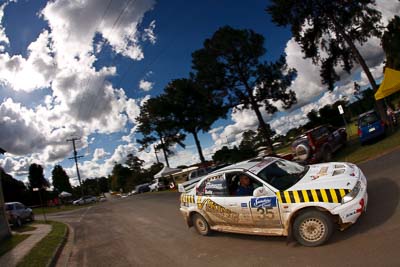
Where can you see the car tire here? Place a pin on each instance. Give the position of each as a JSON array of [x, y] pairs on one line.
[[312, 228], [201, 225]]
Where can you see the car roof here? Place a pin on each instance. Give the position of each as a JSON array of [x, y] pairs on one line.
[[366, 113], [315, 128], [250, 164], [10, 203]]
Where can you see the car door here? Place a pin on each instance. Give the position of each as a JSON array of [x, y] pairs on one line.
[[211, 196], [20, 210], [264, 209]]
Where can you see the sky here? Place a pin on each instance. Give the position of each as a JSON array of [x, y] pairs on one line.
[[83, 68]]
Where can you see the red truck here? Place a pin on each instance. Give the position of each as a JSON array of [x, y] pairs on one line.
[[318, 144]]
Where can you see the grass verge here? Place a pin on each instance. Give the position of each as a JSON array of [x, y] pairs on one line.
[[43, 252], [23, 228], [47, 210], [11, 243], [356, 153]]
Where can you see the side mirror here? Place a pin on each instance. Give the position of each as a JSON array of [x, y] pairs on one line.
[[259, 192]]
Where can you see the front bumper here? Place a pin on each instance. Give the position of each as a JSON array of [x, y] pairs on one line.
[[352, 210]]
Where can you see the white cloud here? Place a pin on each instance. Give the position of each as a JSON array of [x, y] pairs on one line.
[[145, 85], [149, 33], [3, 36], [99, 153]]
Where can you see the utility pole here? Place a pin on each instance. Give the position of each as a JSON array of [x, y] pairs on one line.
[[76, 157], [155, 151]]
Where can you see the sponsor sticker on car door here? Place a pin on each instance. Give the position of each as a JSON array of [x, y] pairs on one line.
[[265, 212]]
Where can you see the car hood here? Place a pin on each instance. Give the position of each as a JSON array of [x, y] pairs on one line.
[[334, 175]]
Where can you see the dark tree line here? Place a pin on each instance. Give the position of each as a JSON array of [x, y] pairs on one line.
[[125, 177]]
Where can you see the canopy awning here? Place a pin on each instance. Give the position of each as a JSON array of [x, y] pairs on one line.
[[389, 85], [166, 171]]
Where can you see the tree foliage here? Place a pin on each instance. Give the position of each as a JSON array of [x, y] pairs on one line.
[[155, 124], [327, 31], [61, 179], [134, 163], [231, 65], [36, 177], [13, 189], [192, 108], [391, 43]]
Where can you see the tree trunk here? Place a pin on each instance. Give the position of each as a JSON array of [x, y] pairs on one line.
[[163, 149], [198, 145], [380, 105], [262, 124]]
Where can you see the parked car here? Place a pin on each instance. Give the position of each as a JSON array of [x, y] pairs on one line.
[[17, 213], [158, 185], [283, 198], [318, 144], [142, 188], [370, 126], [85, 200]]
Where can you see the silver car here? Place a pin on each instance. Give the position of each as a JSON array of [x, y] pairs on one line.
[[17, 213], [85, 200]]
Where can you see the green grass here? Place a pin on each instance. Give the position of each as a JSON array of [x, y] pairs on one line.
[[284, 150], [23, 228], [355, 153], [11, 243], [43, 251], [59, 209]]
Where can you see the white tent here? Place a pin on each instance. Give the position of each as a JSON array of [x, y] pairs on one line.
[[166, 171]]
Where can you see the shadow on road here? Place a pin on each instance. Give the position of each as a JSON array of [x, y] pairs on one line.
[[383, 198]]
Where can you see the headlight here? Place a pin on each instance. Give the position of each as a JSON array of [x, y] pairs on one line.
[[353, 193]]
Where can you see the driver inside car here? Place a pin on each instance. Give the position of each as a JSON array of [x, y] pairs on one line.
[[245, 187]]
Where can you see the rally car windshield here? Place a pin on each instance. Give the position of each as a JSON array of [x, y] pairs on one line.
[[283, 174]]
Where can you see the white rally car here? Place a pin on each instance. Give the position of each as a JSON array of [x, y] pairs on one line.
[[287, 198]]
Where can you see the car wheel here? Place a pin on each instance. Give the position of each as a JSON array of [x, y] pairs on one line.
[[327, 154], [312, 228], [201, 225]]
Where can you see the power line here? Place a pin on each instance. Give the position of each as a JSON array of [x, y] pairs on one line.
[[104, 79]]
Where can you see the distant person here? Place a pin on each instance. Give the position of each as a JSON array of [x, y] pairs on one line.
[[245, 188]]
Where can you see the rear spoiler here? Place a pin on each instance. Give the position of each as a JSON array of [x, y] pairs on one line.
[[189, 185]]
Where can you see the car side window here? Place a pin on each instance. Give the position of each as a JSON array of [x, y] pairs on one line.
[[213, 186], [233, 183]]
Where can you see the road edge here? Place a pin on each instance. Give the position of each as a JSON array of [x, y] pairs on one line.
[[53, 260]]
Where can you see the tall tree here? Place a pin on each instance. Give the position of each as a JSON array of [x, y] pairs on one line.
[[328, 32], [391, 43], [36, 176], [193, 108], [156, 126], [230, 64], [119, 177], [61, 179], [134, 163]]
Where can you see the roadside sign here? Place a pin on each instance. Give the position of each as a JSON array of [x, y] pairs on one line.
[[340, 108]]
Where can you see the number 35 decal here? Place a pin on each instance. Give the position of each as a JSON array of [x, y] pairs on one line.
[[265, 213]]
